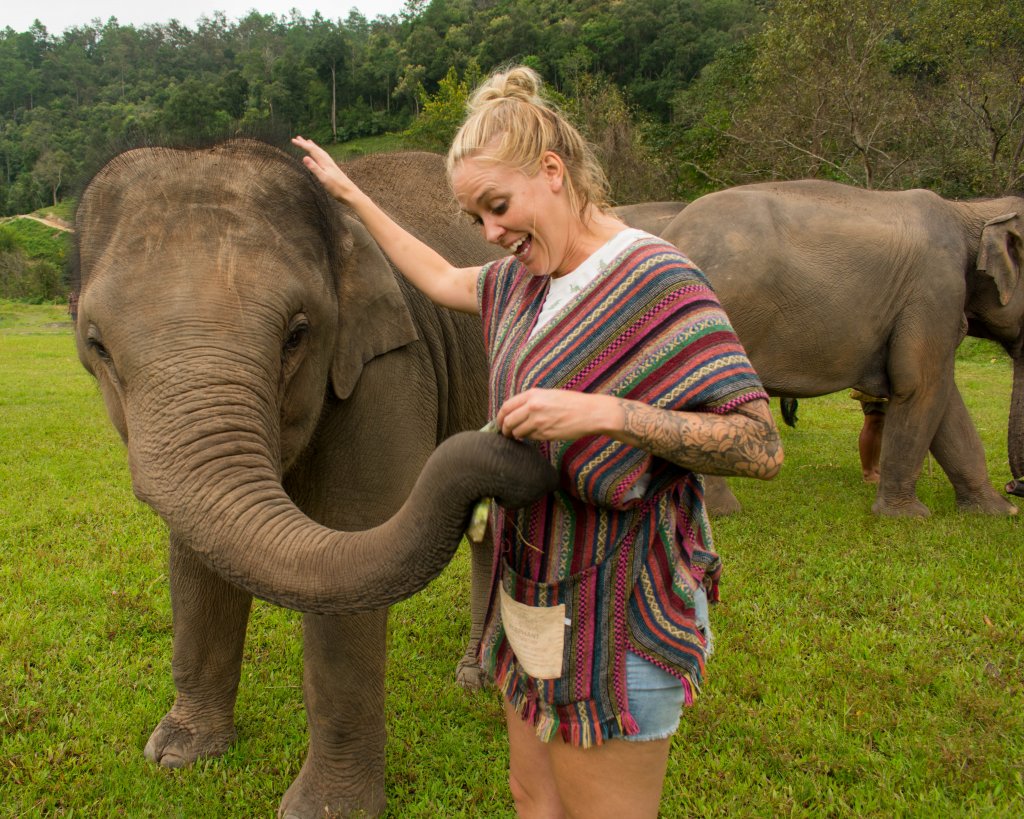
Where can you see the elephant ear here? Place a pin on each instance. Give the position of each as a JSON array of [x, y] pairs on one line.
[[1000, 253], [374, 318]]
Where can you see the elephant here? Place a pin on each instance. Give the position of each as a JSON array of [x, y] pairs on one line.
[[652, 217], [304, 422], [830, 286]]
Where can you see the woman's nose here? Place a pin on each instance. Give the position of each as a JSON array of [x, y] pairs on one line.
[[492, 230]]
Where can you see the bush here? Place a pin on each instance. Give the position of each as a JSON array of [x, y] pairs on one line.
[[636, 170], [443, 113], [32, 258], [30, 280]]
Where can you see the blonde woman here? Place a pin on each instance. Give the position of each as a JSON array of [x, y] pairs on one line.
[[609, 349]]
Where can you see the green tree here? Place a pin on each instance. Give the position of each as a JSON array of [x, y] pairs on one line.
[[327, 55], [704, 114], [53, 168], [880, 94], [820, 98], [968, 59], [443, 112], [192, 110], [636, 172], [410, 86]]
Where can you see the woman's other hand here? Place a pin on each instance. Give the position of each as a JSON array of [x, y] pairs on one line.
[[553, 415], [743, 442]]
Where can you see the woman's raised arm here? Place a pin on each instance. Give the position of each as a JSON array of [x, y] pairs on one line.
[[442, 283]]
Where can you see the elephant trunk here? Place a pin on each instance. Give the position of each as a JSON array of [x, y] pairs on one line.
[[221, 492], [1015, 433]]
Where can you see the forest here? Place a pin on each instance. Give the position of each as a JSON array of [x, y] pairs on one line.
[[681, 97]]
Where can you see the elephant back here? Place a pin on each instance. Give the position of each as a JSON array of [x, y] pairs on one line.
[[412, 186]]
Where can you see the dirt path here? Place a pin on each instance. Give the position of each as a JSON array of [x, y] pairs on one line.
[[49, 221]]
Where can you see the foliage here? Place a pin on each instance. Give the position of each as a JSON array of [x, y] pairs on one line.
[[969, 59], [705, 93], [864, 667], [877, 93], [68, 100], [36, 240], [443, 112], [33, 281], [32, 261], [620, 135]]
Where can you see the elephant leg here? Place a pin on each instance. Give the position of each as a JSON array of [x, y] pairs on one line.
[[958, 449], [718, 497], [468, 672], [210, 618], [921, 375], [904, 446], [344, 687]]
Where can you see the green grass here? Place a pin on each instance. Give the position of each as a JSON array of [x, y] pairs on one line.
[[368, 145], [65, 209], [38, 241], [865, 667]]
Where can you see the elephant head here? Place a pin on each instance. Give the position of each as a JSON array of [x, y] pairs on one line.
[[221, 291], [995, 309]]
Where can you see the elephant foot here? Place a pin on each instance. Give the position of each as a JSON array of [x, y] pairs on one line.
[[990, 503], [468, 673], [718, 497], [177, 742], [314, 794], [907, 509]]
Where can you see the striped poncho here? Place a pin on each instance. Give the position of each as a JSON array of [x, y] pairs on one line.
[[625, 564]]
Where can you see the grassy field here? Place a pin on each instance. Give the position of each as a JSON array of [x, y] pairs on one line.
[[865, 667]]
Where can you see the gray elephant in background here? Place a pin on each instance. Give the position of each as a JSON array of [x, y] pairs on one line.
[[272, 377], [652, 217], [830, 287]]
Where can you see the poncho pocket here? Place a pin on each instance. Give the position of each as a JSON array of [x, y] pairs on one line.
[[578, 600]]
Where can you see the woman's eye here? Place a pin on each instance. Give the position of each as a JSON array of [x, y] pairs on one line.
[[476, 220], [500, 209]]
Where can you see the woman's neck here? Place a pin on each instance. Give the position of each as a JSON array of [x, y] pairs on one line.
[[592, 231]]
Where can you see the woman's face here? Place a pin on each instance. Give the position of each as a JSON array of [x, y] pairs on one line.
[[528, 216]]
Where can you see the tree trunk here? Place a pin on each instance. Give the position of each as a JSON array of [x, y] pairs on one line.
[[334, 102]]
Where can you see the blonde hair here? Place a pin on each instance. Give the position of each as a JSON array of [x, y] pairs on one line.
[[509, 122]]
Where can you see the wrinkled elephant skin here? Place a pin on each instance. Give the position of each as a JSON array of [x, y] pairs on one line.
[[295, 413], [831, 287], [652, 217]]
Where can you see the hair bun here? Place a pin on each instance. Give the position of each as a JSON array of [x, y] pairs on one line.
[[518, 83], [508, 122]]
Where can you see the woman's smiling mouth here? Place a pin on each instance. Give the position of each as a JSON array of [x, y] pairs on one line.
[[520, 247]]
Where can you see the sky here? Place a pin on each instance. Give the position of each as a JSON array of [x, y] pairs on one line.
[[58, 15]]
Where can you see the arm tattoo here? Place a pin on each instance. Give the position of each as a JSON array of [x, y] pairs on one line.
[[744, 442]]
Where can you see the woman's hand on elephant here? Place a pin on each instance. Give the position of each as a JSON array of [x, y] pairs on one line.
[[558, 415], [431, 273], [325, 169]]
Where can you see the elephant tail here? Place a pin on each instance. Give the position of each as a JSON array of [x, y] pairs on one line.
[[788, 407]]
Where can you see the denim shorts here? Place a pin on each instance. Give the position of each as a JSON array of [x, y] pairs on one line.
[[655, 699], [655, 696]]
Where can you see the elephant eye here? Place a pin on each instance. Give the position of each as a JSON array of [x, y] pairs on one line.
[[297, 332], [93, 343]]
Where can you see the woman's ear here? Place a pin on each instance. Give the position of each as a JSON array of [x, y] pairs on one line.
[[553, 168]]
